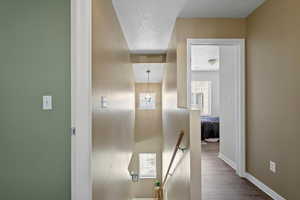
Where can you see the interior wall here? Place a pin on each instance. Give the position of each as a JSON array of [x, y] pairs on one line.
[[273, 95], [201, 28], [204, 28], [113, 127], [148, 123], [148, 58], [145, 187], [212, 76], [35, 61], [174, 120], [175, 116], [148, 138]]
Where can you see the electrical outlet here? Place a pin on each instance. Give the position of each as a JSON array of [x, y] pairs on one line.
[[272, 166]]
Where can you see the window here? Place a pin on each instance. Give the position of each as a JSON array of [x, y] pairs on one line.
[[147, 163], [147, 101], [201, 96]]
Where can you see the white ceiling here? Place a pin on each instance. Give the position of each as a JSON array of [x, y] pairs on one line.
[[148, 24], [201, 56], [140, 74], [219, 8]]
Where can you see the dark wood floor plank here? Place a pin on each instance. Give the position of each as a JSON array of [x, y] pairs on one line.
[[220, 182]]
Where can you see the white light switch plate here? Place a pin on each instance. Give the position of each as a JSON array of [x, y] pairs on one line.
[[104, 102], [47, 102]]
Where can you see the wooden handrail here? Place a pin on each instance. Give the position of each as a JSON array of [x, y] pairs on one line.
[[177, 147]]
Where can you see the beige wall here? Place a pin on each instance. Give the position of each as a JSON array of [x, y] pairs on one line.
[[195, 155], [144, 188], [148, 58], [113, 128], [148, 123], [148, 137], [273, 87], [174, 96], [174, 120], [273, 95], [201, 28]]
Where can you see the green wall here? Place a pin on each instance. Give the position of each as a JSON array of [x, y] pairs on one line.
[[34, 61]]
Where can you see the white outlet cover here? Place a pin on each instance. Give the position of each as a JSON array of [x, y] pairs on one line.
[[272, 166]]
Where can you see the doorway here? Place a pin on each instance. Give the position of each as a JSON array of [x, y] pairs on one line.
[[216, 87], [221, 93]]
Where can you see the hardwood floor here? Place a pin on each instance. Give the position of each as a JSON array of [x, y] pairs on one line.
[[219, 181]]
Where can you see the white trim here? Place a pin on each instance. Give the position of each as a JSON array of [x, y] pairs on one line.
[[81, 143], [228, 161], [263, 187], [240, 91], [188, 73], [241, 112]]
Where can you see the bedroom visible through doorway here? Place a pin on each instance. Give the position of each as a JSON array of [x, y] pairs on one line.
[[215, 75]]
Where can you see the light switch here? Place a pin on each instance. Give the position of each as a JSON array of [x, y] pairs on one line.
[[104, 102], [47, 102]]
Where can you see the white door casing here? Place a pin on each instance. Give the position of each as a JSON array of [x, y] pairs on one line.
[[81, 89], [239, 92]]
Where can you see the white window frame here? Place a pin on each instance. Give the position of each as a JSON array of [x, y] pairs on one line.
[[147, 107], [209, 112], [141, 176]]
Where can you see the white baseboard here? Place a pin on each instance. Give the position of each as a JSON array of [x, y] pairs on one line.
[[228, 161], [263, 187]]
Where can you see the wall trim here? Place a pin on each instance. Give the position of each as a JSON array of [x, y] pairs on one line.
[[228, 161], [240, 93], [81, 96], [263, 187]]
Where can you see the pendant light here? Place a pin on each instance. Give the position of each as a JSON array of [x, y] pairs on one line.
[[148, 96]]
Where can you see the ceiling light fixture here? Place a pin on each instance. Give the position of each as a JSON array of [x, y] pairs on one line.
[[148, 97], [212, 61]]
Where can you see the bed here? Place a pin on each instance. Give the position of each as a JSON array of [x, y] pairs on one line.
[[210, 128]]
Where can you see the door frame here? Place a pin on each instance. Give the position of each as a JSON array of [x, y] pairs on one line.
[[81, 99], [81, 95], [240, 91]]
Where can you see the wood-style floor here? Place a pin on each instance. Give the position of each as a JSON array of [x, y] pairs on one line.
[[219, 181]]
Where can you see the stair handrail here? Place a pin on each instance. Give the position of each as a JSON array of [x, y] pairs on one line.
[[177, 147]]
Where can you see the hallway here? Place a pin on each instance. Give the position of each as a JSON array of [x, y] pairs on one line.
[[219, 181]]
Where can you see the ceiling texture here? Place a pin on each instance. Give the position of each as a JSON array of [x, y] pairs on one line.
[[219, 8], [140, 74], [148, 24]]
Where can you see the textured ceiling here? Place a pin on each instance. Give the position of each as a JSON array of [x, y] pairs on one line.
[[141, 75], [148, 24], [219, 8]]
